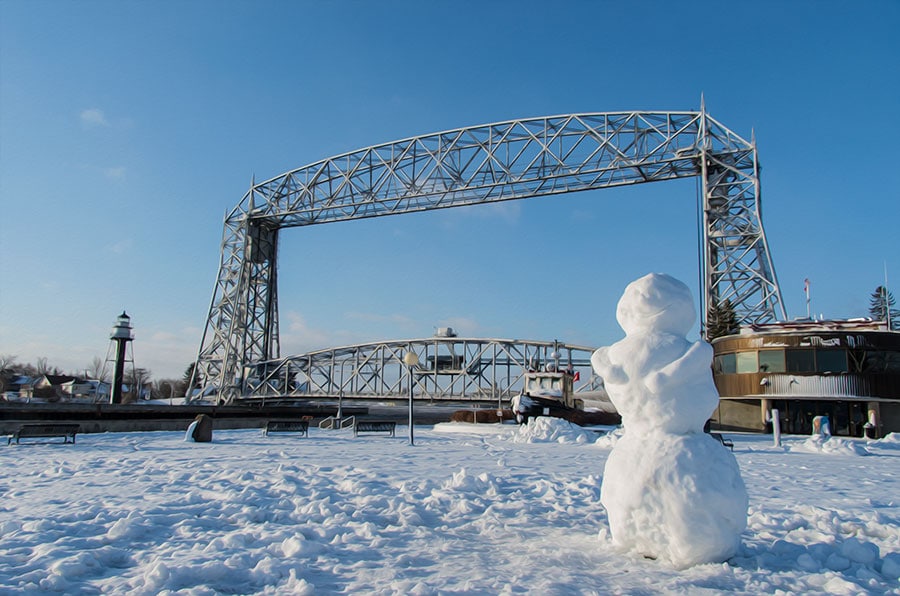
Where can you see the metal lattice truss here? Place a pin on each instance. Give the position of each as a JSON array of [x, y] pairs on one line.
[[485, 164], [455, 369], [736, 260]]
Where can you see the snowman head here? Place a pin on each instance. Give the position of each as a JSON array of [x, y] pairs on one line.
[[656, 303]]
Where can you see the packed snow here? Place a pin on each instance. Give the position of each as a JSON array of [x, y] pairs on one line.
[[828, 444], [476, 509], [671, 492]]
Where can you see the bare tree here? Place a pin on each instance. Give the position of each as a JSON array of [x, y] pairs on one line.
[[7, 367], [136, 381], [7, 363], [42, 367], [95, 370], [167, 388]]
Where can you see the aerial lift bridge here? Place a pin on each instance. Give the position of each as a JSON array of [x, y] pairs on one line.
[[503, 161]]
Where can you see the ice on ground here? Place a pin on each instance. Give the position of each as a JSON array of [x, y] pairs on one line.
[[464, 512], [671, 491]]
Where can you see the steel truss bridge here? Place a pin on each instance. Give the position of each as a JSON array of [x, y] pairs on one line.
[[450, 369], [503, 161]]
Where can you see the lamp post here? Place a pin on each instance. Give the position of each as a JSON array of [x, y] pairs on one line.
[[410, 359]]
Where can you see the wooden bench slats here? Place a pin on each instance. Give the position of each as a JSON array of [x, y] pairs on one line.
[[288, 426], [374, 426], [44, 431]]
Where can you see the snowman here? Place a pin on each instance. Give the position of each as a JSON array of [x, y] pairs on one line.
[[670, 490]]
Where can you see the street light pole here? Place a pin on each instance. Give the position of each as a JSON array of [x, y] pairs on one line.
[[410, 359]]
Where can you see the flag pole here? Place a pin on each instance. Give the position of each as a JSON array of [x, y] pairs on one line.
[[887, 304]]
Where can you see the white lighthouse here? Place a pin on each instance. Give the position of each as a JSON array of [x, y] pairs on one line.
[[121, 336]]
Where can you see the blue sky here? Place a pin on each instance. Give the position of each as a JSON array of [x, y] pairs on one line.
[[128, 128]]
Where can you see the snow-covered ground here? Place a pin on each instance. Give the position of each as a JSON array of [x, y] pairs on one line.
[[469, 509]]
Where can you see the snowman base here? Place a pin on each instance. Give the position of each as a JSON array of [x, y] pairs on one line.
[[676, 498]]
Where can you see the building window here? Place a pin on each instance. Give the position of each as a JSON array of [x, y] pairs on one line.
[[833, 361], [771, 361], [874, 361], [892, 362], [725, 364], [859, 361], [746, 362], [799, 361]]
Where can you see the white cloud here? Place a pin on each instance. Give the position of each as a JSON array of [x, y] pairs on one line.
[[121, 247], [117, 173], [166, 352], [164, 336], [300, 337], [92, 118]]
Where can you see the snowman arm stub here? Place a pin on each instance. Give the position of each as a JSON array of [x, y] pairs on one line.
[[605, 369], [697, 360]]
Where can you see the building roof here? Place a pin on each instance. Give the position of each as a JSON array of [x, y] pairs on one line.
[[807, 325], [61, 379]]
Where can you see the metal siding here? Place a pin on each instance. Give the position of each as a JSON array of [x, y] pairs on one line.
[[817, 386]]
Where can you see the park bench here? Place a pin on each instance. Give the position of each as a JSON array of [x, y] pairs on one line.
[[288, 426], [374, 426], [42, 431], [725, 442]]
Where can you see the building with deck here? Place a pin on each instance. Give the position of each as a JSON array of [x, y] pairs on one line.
[[848, 370]]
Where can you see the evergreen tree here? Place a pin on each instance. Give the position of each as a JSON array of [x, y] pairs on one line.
[[722, 321], [186, 380], [882, 307]]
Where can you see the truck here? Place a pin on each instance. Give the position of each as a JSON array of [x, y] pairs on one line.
[[546, 392]]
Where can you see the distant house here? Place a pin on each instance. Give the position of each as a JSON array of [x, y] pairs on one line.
[[100, 391], [78, 388], [57, 387], [12, 384], [66, 388]]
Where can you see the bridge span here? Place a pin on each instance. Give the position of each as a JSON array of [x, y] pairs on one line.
[[450, 369]]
